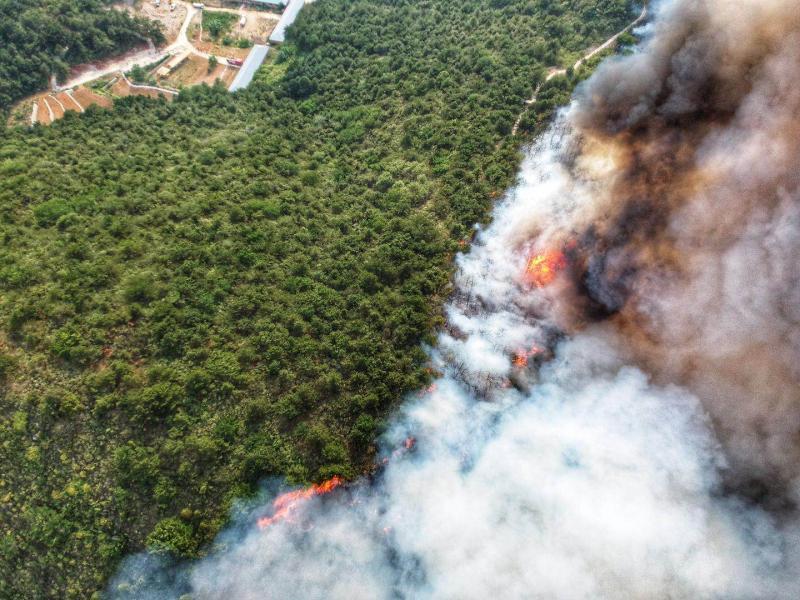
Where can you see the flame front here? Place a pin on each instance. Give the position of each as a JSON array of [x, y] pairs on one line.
[[521, 356], [543, 268], [286, 504]]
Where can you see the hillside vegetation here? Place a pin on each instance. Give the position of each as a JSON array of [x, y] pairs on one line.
[[40, 38], [198, 295]]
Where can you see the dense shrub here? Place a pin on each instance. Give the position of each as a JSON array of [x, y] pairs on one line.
[[204, 293], [41, 38]]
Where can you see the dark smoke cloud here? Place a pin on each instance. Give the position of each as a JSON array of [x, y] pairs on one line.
[[646, 445], [694, 247]]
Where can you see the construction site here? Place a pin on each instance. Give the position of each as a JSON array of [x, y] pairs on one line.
[[205, 44]]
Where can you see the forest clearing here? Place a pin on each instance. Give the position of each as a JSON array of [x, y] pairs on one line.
[[205, 45]]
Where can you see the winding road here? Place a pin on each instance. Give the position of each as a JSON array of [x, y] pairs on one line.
[[144, 57], [182, 44], [555, 72]]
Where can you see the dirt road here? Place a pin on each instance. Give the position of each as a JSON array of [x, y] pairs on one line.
[[144, 57], [182, 43], [554, 71]]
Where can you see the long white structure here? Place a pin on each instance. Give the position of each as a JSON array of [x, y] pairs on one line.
[[249, 68], [287, 18]]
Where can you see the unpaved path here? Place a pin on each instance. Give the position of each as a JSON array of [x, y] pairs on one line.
[[554, 71], [182, 43], [613, 39], [150, 55]]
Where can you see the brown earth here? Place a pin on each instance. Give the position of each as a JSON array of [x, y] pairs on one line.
[[223, 72], [58, 112], [228, 74], [171, 21], [194, 71], [68, 102], [44, 113], [87, 97], [84, 97], [219, 50], [121, 88], [257, 28]]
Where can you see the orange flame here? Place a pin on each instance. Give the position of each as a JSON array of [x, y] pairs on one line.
[[286, 504], [521, 356], [408, 445], [428, 390], [542, 268]]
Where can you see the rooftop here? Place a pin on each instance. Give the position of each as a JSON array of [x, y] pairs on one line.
[[249, 68]]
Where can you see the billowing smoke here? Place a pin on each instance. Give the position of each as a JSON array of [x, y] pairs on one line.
[[619, 410], [691, 245]]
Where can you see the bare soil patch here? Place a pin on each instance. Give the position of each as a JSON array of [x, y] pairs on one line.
[[121, 88], [193, 70], [221, 51], [222, 72], [44, 112], [67, 101], [87, 97], [171, 20], [257, 28], [58, 111], [100, 65], [227, 75]]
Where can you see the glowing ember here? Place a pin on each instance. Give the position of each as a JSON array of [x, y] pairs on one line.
[[427, 390], [521, 356], [543, 268], [408, 445], [286, 504]]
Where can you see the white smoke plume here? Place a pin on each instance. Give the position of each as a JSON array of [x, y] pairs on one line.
[[626, 429]]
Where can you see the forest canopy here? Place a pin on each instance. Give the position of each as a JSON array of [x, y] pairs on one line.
[[200, 295], [42, 38]]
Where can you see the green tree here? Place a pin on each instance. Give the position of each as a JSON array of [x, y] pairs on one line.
[[202, 293], [42, 38]]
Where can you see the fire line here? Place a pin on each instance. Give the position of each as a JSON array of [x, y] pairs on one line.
[[286, 504]]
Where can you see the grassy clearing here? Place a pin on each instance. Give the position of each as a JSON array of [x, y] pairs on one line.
[[218, 23]]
